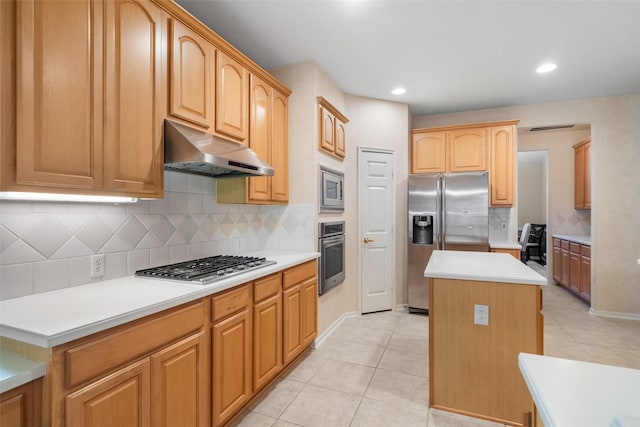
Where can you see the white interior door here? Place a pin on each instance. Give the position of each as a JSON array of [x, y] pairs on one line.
[[376, 207]]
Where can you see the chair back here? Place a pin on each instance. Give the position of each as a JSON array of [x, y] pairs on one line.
[[524, 237]]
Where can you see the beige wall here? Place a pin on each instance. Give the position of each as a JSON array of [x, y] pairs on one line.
[[384, 125], [532, 187], [615, 131], [372, 123], [562, 218]]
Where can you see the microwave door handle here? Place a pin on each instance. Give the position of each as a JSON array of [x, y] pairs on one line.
[[341, 191]]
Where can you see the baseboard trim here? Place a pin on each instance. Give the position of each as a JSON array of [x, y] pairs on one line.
[[401, 307], [327, 332], [614, 314]]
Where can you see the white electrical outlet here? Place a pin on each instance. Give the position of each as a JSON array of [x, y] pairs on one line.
[[481, 314], [638, 261], [97, 265]]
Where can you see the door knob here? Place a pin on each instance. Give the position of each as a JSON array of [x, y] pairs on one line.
[[368, 240]]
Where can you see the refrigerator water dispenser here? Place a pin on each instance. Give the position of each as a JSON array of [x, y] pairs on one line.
[[423, 229]]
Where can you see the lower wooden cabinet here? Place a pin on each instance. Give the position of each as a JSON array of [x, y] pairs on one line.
[[232, 386], [572, 267], [21, 406], [122, 399], [513, 252], [299, 309], [169, 388], [267, 330], [195, 365]]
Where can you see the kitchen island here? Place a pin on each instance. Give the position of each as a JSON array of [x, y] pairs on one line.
[[485, 309]]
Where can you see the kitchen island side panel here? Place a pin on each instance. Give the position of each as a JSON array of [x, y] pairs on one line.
[[473, 369]]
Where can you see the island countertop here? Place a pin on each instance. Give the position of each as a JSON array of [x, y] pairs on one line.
[[481, 266], [572, 393]]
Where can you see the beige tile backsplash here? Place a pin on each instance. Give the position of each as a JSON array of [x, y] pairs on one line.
[[46, 246]]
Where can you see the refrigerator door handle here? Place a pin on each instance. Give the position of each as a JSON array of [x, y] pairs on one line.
[[444, 213]]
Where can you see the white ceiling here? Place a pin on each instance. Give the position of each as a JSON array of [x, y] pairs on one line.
[[450, 55]]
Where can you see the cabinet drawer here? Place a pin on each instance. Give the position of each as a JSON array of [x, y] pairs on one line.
[[96, 357], [556, 242], [585, 251], [564, 244], [231, 302], [300, 273], [574, 247], [267, 286]]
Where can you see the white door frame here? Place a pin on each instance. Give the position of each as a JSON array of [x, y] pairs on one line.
[[393, 222]]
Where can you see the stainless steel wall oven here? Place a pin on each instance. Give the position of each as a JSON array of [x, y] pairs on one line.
[[331, 248]]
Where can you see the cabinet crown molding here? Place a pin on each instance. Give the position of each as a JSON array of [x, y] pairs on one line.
[[466, 126], [333, 110]]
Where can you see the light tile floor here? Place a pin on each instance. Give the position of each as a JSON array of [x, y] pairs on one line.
[[373, 370]]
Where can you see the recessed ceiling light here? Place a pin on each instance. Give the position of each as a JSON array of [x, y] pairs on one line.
[[399, 91], [545, 68]]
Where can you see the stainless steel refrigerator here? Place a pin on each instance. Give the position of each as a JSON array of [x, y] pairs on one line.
[[446, 211]]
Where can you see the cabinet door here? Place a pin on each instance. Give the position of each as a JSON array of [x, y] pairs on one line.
[[280, 148], [22, 406], [428, 152], [179, 384], [467, 150], [292, 328], [260, 135], [191, 81], [340, 139], [587, 175], [59, 94], [501, 174], [267, 340], [232, 363], [585, 277], [309, 314], [134, 70], [232, 100], [121, 399], [327, 127], [557, 262], [579, 177], [566, 266], [574, 271]]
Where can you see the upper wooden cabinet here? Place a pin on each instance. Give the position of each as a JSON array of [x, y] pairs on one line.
[[232, 100], [332, 129], [428, 152], [582, 182], [269, 139], [134, 99], [89, 98], [191, 78], [501, 166], [478, 147], [467, 150]]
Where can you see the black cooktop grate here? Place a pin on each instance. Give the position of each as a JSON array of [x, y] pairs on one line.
[[206, 270]]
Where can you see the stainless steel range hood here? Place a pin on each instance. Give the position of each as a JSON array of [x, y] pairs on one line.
[[192, 151]]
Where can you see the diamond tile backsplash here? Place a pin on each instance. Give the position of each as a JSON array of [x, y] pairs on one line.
[[46, 246]]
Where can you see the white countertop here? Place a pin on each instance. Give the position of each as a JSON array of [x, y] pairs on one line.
[[572, 393], [16, 370], [481, 266], [504, 245], [583, 240], [52, 318]]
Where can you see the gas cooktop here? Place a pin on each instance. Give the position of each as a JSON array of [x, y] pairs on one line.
[[206, 270]]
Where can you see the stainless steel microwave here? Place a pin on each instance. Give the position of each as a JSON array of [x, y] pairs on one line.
[[331, 190]]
